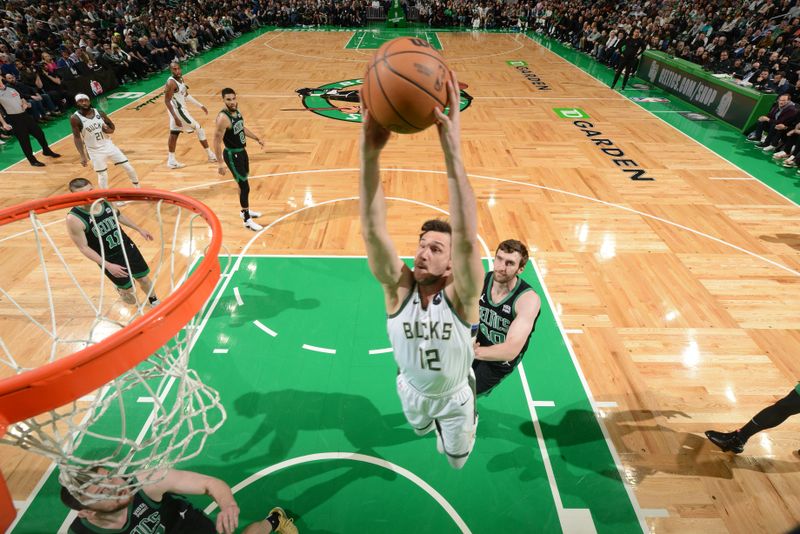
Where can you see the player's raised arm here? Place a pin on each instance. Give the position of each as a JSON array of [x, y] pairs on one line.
[[467, 268], [384, 263]]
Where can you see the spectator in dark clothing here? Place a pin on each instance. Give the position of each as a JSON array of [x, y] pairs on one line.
[[68, 60], [781, 84], [116, 62], [630, 49], [776, 124], [763, 82], [51, 84], [7, 66], [737, 69], [723, 64]]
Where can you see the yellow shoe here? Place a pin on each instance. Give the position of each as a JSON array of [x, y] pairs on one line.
[[285, 523]]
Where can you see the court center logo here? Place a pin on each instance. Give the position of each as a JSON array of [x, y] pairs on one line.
[[341, 100]]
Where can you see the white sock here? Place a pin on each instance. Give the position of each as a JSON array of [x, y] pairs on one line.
[[171, 157], [211, 153]]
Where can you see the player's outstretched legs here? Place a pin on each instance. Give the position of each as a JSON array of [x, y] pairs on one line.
[[201, 136], [131, 172], [147, 287], [456, 428], [172, 143], [769, 417]]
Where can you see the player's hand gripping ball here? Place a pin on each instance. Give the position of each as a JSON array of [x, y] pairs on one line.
[[405, 81]]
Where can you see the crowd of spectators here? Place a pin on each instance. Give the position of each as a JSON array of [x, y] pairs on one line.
[[41, 44], [44, 44], [756, 42]]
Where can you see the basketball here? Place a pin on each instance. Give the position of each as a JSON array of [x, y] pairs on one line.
[[405, 81]]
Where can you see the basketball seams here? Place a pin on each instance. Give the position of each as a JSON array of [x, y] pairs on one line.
[[407, 79], [437, 57], [424, 90], [388, 100]]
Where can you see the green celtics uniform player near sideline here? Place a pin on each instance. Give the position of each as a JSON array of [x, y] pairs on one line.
[[232, 132], [509, 308], [95, 231]]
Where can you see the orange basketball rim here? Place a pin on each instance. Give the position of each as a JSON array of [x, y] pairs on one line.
[[63, 381]]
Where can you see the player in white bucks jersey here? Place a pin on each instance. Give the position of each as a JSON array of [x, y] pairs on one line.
[[430, 308], [90, 132], [176, 95]]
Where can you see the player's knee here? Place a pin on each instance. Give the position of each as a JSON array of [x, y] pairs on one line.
[[146, 283]]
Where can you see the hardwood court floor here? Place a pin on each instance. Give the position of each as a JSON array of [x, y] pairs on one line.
[[679, 294]]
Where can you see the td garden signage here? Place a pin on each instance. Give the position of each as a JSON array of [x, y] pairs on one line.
[[528, 74], [604, 144]]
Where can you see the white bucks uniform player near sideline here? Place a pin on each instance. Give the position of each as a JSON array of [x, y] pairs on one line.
[[430, 308], [176, 94], [90, 130]]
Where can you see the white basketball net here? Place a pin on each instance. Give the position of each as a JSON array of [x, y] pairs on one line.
[[153, 415]]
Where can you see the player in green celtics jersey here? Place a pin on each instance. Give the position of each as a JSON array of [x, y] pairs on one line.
[[159, 506], [232, 132], [509, 308], [95, 229]]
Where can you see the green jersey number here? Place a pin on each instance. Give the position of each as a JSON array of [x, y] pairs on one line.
[[113, 240]]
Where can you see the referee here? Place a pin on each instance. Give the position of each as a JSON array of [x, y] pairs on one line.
[[22, 124]]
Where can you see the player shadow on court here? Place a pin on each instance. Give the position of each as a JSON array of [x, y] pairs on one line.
[[575, 445], [260, 302], [362, 424], [687, 461], [791, 240], [354, 415]]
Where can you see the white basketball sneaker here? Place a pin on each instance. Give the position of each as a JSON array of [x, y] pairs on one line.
[[175, 165], [252, 225]]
